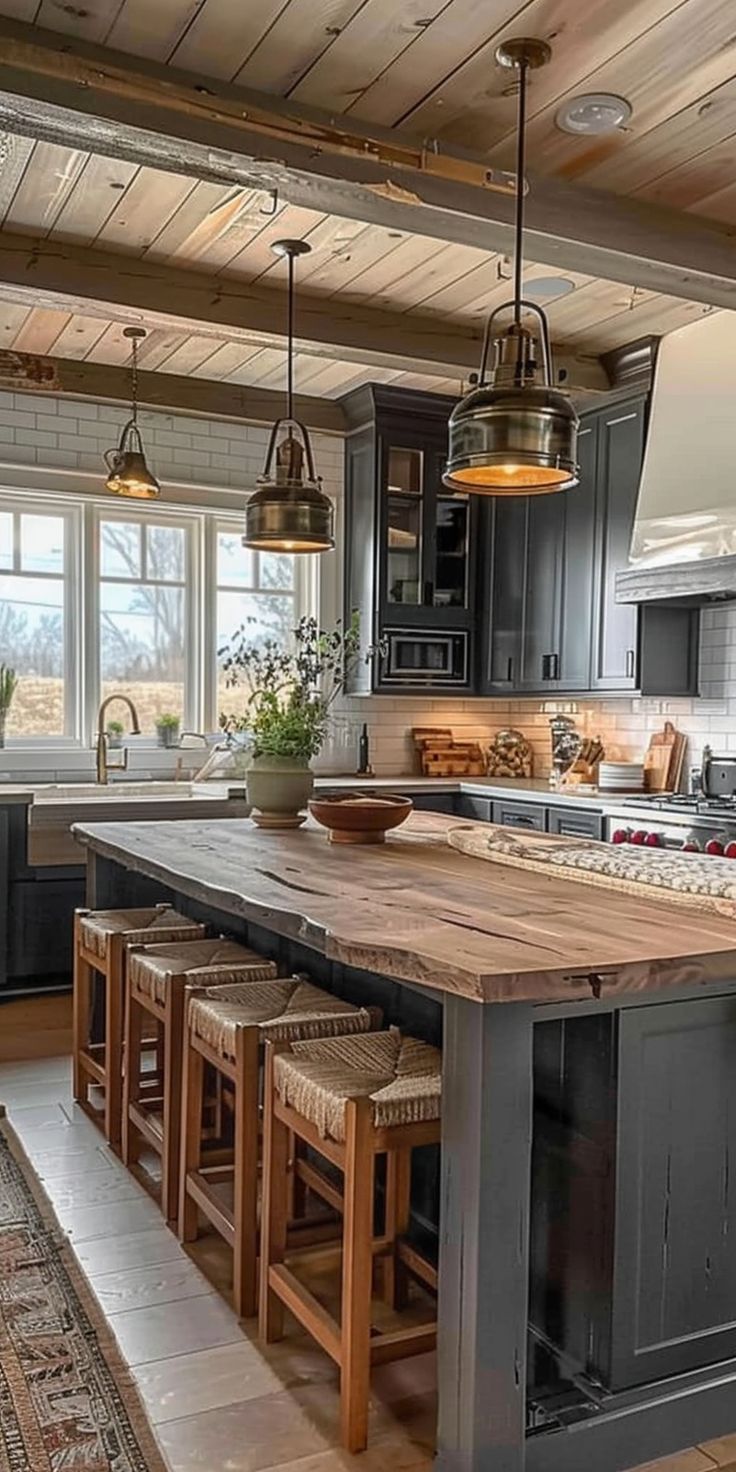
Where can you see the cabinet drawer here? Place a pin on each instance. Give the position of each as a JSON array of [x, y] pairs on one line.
[[575, 823], [520, 815], [478, 808]]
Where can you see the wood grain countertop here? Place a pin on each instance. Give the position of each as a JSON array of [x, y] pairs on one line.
[[415, 910]]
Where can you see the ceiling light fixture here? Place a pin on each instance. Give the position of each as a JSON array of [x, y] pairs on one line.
[[515, 435], [289, 512], [593, 114], [129, 474]]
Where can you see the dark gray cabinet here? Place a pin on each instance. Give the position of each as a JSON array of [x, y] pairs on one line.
[[410, 546], [520, 814], [633, 1274], [574, 823], [551, 620]]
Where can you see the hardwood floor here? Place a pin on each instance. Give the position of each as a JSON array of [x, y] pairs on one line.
[[36, 1027], [216, 1397]]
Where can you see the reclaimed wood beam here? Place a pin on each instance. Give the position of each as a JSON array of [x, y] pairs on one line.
[[93, 98], [107, 284], [47, 375]]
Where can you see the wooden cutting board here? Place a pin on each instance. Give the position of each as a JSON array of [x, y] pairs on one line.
[[658, 762]]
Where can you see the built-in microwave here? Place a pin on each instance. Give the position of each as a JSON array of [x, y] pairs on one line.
[[411, 657]]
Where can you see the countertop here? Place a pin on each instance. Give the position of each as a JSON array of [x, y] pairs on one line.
[[524, 789], [415, 910]]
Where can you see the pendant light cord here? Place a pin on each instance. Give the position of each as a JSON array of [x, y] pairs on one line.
[[290, 347], [520, 187], [134, 383]]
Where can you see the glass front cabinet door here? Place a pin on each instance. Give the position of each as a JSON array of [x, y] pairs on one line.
[[425, 560]]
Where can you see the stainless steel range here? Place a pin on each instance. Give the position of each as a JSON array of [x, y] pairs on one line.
[[705, 824]]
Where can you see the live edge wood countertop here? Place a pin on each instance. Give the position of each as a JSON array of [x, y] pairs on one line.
[[415, 910]]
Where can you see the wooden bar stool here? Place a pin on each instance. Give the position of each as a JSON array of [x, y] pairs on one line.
[[226, 1027], [350, 1099], [158, 977], [100, 941]]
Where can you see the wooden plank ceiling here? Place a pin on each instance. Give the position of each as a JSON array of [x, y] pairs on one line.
[[426, 66]]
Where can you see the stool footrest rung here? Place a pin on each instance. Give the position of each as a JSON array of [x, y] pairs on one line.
[[307, 1309], [317, 1182], [213, 1207], [149, 1124], [398, 1344], [416, 1264]]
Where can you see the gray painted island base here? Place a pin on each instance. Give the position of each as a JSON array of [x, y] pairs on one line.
[[667, 1062]]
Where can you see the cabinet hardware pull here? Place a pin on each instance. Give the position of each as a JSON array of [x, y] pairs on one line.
[[429, 595], [630, 664], [510, 671]]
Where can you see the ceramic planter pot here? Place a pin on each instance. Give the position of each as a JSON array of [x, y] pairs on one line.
[[278, 790], [168, 735]]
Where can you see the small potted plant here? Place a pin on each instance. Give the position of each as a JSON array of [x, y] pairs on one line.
[[114, 734], [167, 729], [289, 695], [8, 684]]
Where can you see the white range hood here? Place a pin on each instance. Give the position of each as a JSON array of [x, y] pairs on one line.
[[683, 544]]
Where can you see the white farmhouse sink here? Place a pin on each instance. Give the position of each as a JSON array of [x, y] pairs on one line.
[[57, 806]]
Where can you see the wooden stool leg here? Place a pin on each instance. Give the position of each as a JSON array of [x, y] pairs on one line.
[[274, 1206], [173, 1061], [132, 1080], [192, 1094], [357, 1272], [114, 985], [82, 1005], [398, 1199], [246, 1173]]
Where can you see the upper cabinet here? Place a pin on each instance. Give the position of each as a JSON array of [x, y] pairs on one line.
[[551, 621], [410, 545], [500, 596]]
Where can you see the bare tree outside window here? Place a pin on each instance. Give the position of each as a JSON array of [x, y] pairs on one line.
[[32, 613], [256, 589], [143, 615]]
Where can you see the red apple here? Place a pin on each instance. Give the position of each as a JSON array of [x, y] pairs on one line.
[[653, 840], [714, 846], [620, 835], [639, 836], [730, 850]]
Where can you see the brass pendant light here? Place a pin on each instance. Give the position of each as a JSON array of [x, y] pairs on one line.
[[129, 474], [517, 434], [289, 512]]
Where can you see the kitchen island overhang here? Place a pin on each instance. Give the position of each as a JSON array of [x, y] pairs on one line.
[[572, 1020]]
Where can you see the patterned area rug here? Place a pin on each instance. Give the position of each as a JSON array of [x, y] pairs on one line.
[[67, 1401]]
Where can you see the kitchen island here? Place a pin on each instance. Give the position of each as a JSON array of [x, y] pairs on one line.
[[586, 1207]]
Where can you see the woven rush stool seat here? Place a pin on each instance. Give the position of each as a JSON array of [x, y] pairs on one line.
[[350, 1099], [157, 923], [101, 940], [283, 1010], [227, 1027], [158, 979], [400, 1076]]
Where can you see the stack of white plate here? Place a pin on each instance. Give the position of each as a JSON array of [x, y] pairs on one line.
[[621, 776]]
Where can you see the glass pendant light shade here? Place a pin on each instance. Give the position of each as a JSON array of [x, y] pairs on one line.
[[129, 475], [288, 511], [517, 434]]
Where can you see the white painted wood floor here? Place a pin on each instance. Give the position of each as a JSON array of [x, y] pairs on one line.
[[218, 1401]]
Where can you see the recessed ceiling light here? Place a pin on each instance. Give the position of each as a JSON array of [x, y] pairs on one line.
[[548, 288], [593, 113]]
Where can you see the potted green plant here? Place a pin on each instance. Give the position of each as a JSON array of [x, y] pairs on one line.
[[167, 729], [8, 684], [114, 733], [289, 693]]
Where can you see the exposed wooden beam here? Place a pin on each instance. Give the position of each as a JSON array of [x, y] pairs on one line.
[[51, 273], [103, 101], [162, 391]]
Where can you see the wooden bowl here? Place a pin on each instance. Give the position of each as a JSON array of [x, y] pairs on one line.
[[357, 817]]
